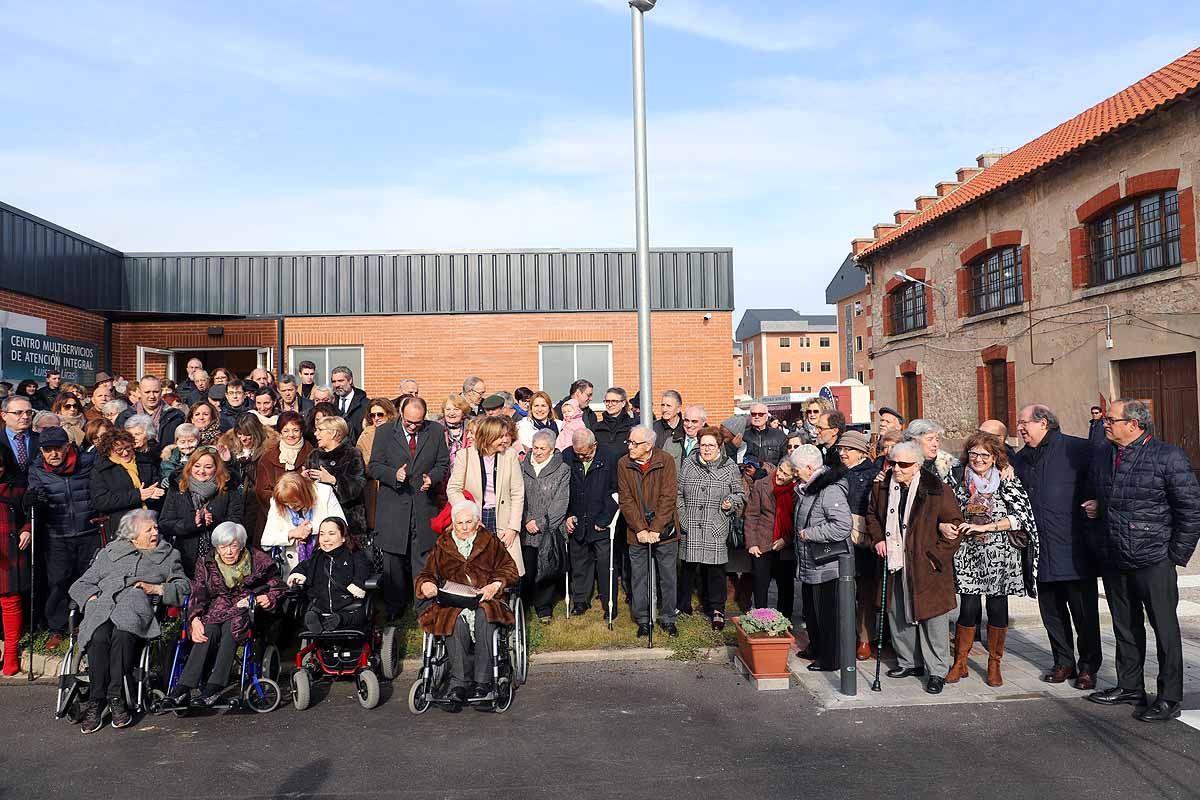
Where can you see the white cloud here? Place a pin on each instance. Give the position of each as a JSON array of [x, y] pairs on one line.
[[730, 23]]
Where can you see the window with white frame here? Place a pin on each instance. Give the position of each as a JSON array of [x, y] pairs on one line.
[[826, 366], [858, 343], [563, 363], [825, 341], [806, 366], [785, 341], [860, 377], [785, 390], [326, 358], [785, 366]]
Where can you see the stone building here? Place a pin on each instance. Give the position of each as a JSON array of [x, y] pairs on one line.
[[1063, 272]]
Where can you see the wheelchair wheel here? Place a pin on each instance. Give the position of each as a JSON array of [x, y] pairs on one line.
[[270, 662], [418, 701], [367, 684], [265, 697], [504, 695], [158, 702], [301, 689], [518, 646], [389, 653], [74, 711]]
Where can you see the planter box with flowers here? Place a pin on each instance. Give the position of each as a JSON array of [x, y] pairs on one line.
[[764, 643]]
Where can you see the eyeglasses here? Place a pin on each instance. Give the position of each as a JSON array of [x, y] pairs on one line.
[[820, 428], [792, 447], [903, 464], [25, 412], [1115, 420], [813, 411], [75, 406], [758, 413], [709, 446], [976, 455], [632, 443], [608, 402], [378, 415]]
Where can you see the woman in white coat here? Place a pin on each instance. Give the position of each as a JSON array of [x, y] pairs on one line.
[[298, 507], [490, 470]]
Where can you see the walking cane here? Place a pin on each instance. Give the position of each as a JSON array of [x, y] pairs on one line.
[[612, 583], [650, 590], [875, 687], [568, 577], [32, 581]]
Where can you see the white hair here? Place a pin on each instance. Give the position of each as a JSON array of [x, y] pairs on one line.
[[646, 431], [907, 451], [114, 407], [920, 427], [700, 412], [546, 436], [144, 421], [806, 455], [464, 505], [132, 521], [228, 533], [583, 438]]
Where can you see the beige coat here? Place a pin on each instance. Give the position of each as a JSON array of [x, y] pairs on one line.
[[510, 491]]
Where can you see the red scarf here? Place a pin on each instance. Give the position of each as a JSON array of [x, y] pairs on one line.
[[785, 504]]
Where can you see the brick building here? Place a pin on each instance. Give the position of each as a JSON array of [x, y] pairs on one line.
[[849, 292], [784, 352], [1063, 272], [739, 379], [534, 318]]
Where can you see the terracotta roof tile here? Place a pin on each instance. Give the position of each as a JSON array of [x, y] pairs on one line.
[[1172, 81]]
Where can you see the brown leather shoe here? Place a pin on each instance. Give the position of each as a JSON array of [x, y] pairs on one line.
[[1086, 681], [1060, 674], [864, 651], [963, 639]]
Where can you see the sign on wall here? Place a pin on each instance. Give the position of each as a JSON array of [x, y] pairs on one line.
[[31, 355]]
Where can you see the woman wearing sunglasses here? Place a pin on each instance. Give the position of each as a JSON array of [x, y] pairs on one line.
[[999, 539], [69, 409]]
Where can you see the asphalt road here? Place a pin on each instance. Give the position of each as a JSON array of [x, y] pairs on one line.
[[605, 731]]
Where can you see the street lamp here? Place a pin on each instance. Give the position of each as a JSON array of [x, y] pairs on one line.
[[638, 9], [904, 276]]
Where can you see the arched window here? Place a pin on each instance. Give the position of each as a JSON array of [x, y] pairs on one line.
[[997, 280], [1139, 236]]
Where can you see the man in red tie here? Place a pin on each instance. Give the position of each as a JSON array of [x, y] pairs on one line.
[[18, 438]]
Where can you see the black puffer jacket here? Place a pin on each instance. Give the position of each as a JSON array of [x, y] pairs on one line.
[[327, 576], [1149, 505], [768, 445], [345, 463], [859, 480], [63, 502], [613, 433]]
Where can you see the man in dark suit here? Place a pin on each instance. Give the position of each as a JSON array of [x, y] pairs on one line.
[[290, 398], [351, 401], [590, 510], [409, 458], [19, 439]]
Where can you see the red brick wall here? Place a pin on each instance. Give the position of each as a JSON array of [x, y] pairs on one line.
[[65, 322], [128, 336], [691, 355]]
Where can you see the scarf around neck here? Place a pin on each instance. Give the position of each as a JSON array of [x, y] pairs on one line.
[[65, 468], [303, 549], [289, 454], [201, 491], [233, 574], [896, 528]]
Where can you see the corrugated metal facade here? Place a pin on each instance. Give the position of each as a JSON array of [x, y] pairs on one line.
[[355, 283], [40, 259]]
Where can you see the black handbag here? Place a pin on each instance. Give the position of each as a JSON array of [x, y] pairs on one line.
[[737, 534], [823, 553], [551, 554]]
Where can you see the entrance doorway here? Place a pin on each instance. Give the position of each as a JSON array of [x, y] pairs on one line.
[[1167, 384], [173, 363]]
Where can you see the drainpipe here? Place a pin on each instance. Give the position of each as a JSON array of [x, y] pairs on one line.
[[281, 356]]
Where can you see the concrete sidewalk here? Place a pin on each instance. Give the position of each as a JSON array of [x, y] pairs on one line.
[[1026, 659]]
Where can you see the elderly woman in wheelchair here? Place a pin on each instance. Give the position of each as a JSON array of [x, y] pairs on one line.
[[464, 576]]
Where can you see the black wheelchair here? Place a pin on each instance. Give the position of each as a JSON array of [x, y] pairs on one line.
[[365, 653], [74, 684], [257, 689], [510, 666]]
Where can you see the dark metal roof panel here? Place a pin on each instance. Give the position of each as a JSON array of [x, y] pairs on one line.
[[404, 282], [41, 259]]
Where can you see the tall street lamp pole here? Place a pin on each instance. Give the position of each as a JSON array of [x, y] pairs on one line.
[[638, 9]]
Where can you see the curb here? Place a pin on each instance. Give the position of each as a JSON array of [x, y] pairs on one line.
[[45, 667]]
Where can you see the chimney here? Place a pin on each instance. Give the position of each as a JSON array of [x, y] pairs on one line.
[[903, 215], [944, 188], [925, 201], [883, 229], [987, 159], [965, 174], [858, 245]]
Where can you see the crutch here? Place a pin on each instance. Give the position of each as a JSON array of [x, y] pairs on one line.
[[32, 580], [650, 585], [567, 574], [875, 687]]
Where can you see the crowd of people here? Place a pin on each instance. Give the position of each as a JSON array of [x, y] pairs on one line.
[[224, 488]]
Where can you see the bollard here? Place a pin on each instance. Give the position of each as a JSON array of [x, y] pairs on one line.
[[847, 630]]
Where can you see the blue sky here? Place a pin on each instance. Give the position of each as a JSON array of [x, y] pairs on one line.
[[780, 128]]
